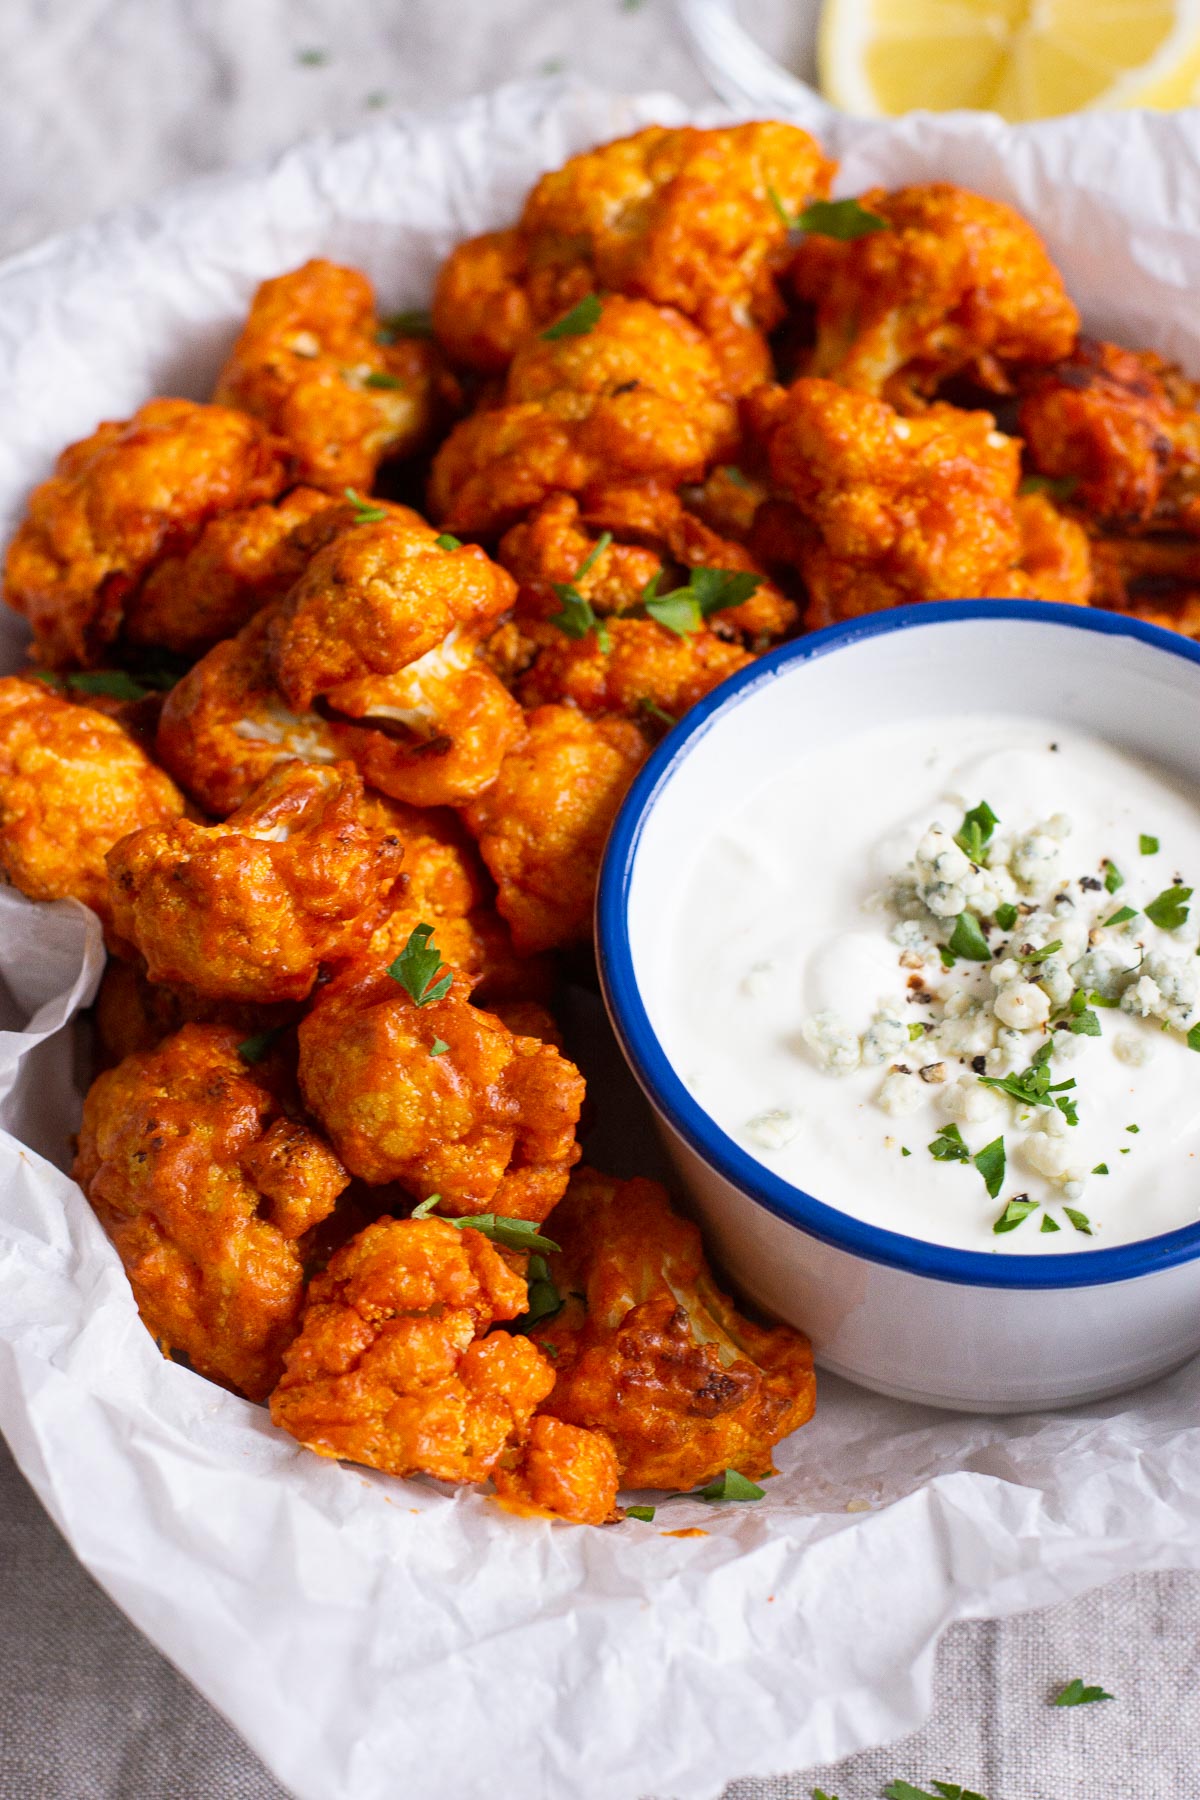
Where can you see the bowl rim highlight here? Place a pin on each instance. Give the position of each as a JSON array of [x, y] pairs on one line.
[[1085, 1267]]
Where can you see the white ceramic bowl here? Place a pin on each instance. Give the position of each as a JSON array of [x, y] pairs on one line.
[[955, 1328]]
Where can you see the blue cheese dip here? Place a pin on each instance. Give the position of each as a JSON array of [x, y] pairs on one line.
[[944, 977]]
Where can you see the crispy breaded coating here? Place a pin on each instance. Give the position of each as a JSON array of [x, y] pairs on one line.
[[312, 363], [652, 1353], [225, 725], [193, 598], [1119, 429], [115, 502], [896, 510], [957, 284], [646, 669], [542, 827], [396, 1366], [685, 218], [72, 784], [250, 909], [206, 1181], [376, 598], [561, 1472], [1056, 558], [488, 1122], [638, 396], [550, 548], [132, 1013]]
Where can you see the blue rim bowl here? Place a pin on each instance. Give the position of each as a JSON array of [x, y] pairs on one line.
[[667, 1093]]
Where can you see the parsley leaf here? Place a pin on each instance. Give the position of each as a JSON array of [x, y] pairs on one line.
[[948, 1146], [967, 939], [1075, 1694], [254, 1049], [731, 1486], [543, 1299], [941, 1790], [1193, 1038], [1085, 1023], [1122, 917], [1032, 1087], [1148, 845], [1134, 1128], [1037, 956], [415, 323], [578, 617], [365, 513], [991, 1162], [820, 1794], [915, 1031], [640, 1512], [448, 542], [948, 961], [1113, 878], [581, 319], [1049, 1224], [651, 709], [417, 965], [514, 1234], [1169, 910], [1079, 1220], [1007, 916], [382, 378], [1100, 1169], [841, 219], [977, 828], [438, 1047], [707, 591], [312, 59], [1068, 1108], [1015, 1213], [114, 683], [1055, 487]]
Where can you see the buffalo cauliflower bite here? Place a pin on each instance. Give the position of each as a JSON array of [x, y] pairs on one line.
[[376, 598], [225, 725], [560, 1472], [116, 501], [648, 1350], [312, 363], [396, 1365], [1153, 578], [133, 1013], [1120, 430], [206, 1182], [242, 560], [542, 827], [72, 784], [645, 669], [1056, 558], [487, 1122], [552, 546], [893, 510], [250, 909], [638, 396], [685, 218], [956, 283]]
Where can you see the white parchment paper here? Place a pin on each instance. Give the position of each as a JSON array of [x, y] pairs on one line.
[[371, 1637]]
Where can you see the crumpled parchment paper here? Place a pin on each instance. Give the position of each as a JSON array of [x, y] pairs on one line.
[[371, 1637]]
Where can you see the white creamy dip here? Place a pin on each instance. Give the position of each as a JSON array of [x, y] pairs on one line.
[[809, 1008]]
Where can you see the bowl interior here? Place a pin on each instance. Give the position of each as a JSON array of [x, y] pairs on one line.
[[1133, 685]]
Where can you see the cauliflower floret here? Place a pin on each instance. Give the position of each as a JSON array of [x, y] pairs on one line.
[[562, 1472], [1022, 1005], [901, 1093], [886, 1036], [833, 1044], [969, 1101], [650, 1352]]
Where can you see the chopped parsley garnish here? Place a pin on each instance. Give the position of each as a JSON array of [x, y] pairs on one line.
[[1067, 1108], [382, 378], [1055, 487], [417, 965], [1007, 916], [948, 961], [841, 219], [1033, 1087], [1079, 1220], [948, 1146], [1083, 1021], [312, 59], [1049, 1224], [114, 683], [543, 1300], [578, 617], [904, 1150], [1015, 1213], [1113, 878], [967, 939], [365, 511], [659, 714], [514, 1234], [976, 833], [820, 1794], [1102, 1000], [915, 1031], [1037, 956], [448, 542], [1134, 1128], [1148, 845], [991, 1162], [581, 319], [939, 1790], [1169, 910], [1122, 917], [731, 1486], [1075, 1694], [1100, 1169], [254, 1049], [645, 1513], [707, 591], [438, 1047], [1193, 1038], [415, 323]]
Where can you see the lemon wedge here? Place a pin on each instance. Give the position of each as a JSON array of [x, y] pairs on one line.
[[1024, 59]]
